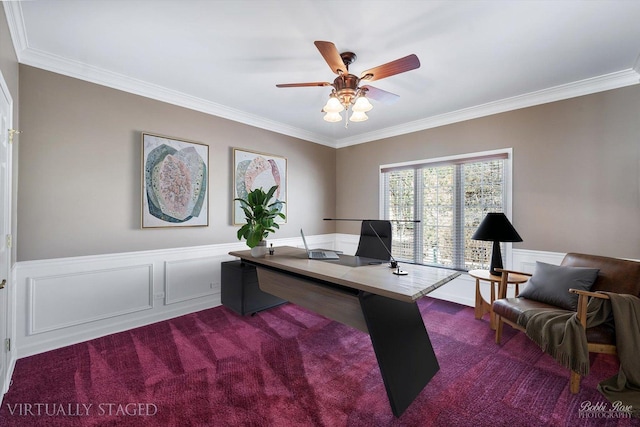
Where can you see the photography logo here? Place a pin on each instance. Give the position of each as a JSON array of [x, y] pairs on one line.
[[604, 410]]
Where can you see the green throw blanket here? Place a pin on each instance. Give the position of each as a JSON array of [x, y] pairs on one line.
[[560, 334]]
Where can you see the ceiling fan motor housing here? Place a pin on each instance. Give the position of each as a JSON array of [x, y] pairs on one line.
[[346, 86]]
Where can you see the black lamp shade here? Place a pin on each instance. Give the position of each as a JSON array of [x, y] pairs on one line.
[[496, 228]]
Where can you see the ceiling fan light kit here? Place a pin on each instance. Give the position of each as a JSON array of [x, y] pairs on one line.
[[358, 116], [362, 105], [332, 117], [333, 105], [346, 91]]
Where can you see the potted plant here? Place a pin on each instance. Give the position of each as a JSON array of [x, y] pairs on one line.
[[261, 218]]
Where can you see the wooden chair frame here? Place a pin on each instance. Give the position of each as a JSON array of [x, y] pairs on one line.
[[502, 293], [583, 301]]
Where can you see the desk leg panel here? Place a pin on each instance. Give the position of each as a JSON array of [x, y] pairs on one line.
[[402, 346], [333, 303]]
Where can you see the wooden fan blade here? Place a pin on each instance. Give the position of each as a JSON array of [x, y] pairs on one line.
[[392, 68], [304, 84], [380, 95], [330, 54]]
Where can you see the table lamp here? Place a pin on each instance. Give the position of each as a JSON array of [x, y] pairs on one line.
[[496, 228]]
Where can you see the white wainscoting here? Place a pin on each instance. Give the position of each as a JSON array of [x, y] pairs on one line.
[[59, 302], [87, 296], [64, 301], [188, 279]]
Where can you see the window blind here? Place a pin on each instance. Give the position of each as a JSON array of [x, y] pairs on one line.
[[450, 197]]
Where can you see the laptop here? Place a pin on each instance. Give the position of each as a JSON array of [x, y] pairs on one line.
[[318, 253]]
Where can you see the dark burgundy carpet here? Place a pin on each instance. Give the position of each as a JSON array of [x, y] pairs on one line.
[[290, 367]]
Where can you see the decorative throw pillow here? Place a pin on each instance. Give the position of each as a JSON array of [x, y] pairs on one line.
[[551, 283]]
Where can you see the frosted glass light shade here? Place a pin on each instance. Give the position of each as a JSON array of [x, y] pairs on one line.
[[333, 105], [362, 105], [332, 117], [358, 116]]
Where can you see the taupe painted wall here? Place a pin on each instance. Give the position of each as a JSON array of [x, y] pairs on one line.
[[576, 170], [9, 68], [80, 159]]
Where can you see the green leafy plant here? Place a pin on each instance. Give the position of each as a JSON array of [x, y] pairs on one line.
[[260, 215]]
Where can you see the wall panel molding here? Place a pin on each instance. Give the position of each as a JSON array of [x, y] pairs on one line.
[[525, 260], [192, 278], [66, 300]]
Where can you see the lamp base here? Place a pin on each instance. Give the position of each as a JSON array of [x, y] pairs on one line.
[[496, 259]]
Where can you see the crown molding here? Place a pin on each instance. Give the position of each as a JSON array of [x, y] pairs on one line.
[[118, 81], [602, 83], [92, 74], [15, 21], [33, 57]]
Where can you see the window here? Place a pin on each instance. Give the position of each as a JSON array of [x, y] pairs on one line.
[[436, 206]]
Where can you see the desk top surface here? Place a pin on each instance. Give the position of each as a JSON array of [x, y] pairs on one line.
[[377, 279]]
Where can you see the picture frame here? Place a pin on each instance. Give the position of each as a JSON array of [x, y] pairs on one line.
[[175, 182], [253, 170]]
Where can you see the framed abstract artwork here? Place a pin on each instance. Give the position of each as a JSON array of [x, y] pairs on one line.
[[253, 170], [175, 176]]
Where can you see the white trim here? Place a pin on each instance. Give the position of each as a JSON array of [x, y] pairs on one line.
[[454, 157], [636, 65], [92, 74], [9, 357], [8, 311], [15, 21], [508, 183], [36, 58]]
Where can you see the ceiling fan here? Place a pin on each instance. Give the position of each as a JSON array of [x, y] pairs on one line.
[[347, 91]]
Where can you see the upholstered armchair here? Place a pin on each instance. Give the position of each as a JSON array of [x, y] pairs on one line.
[[573, 294]]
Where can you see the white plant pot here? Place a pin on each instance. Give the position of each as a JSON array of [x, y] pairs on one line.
[[260, 250]]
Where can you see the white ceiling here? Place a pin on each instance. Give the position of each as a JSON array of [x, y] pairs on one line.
[[225, 57]]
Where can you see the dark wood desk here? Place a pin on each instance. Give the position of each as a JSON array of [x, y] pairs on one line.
[[370, 298]]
